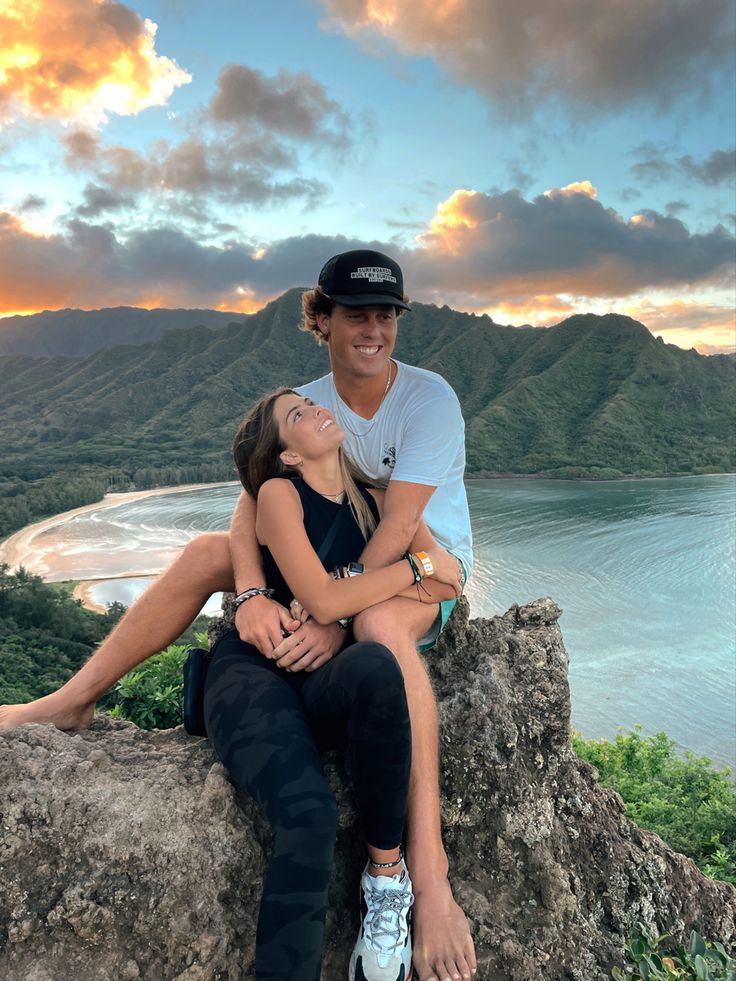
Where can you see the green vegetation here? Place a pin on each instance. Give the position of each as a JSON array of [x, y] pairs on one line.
[[23, 502], [650, 960], [687, 802], [45, 635], [594, 397], [151, 694]]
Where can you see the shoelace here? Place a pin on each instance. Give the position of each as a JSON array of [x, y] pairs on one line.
[[385, 919]]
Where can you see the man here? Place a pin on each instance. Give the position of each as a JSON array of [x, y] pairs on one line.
[[404, 427]]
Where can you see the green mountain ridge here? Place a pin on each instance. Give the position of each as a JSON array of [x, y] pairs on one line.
[[78, 333], [590, 397]]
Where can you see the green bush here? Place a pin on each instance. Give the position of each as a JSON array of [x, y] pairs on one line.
[[698, 961], [151, 694], [684, 799], [45, 635]]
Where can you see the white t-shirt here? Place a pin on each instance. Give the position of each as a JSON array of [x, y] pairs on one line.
[[417, 435]]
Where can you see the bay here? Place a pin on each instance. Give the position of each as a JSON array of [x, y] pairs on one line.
[[644, 571]]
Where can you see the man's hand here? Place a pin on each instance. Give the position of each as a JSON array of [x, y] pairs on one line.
[[261, 622], [309, 647]]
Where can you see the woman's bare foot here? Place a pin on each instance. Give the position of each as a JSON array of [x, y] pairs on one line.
[[442, 944], [54, 708]]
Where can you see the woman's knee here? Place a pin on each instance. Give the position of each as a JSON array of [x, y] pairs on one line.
[[372, 676], [208, 558]]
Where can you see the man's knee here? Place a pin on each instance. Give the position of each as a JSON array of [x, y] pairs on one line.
[[208, 557], [378, 624], [387, 624]]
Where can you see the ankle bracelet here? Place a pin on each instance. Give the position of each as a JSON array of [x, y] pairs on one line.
[[387, 865]]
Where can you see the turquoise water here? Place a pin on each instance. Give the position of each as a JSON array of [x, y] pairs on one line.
[[643, 570], [645, 574]]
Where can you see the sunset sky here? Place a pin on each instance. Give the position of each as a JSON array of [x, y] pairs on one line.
[[525, 158]]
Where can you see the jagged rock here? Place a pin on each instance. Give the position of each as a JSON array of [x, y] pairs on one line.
[[127, 854]]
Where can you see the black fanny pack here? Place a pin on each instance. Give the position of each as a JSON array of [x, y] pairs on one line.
[[195, 676]]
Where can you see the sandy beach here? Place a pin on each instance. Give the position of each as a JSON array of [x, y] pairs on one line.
[[83, 592], [19, 550]]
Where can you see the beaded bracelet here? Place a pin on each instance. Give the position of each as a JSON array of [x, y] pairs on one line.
[[249, 594]]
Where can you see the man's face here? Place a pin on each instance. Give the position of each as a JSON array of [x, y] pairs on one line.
[[361, 339]]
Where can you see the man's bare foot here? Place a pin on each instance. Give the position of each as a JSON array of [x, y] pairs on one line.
[[442, 944], [52, 708]]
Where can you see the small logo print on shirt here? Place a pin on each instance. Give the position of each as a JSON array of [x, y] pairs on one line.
[[389, 456], [374, 274]]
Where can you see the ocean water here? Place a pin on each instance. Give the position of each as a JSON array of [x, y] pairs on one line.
[[645, 572]]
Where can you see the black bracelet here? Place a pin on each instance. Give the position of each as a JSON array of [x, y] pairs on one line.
[[249, 594], [418, 576]]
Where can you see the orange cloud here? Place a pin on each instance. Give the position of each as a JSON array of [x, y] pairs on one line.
[[577, 187], [708, 327], [80, 59]]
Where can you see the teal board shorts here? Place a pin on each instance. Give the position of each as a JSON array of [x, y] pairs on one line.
[[446, 607]]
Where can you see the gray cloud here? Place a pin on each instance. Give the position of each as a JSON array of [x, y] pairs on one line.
[[519, 176], [519, 53], [717, 168], [98, 200], [32, 203], [294, 105], [244, 148], [239, 170], [480, 250], [491, 247]]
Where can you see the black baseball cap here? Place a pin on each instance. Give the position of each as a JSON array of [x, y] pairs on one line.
[[361, 278]]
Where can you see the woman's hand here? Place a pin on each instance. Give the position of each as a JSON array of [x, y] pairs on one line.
[[447, 569], [309, 646], [298, 612]]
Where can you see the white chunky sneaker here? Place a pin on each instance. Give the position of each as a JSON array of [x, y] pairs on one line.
[[383, 948]]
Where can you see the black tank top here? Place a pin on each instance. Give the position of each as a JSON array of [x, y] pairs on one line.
[[319, 514]]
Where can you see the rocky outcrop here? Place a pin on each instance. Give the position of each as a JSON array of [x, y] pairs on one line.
[[127, 854]]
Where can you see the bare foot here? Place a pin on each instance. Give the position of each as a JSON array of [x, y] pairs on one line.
[[443, 946], [52, 708]]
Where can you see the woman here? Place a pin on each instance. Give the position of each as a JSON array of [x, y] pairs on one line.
[[268, 723]]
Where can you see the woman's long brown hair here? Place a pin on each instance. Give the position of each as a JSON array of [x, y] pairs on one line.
[[257, 449]]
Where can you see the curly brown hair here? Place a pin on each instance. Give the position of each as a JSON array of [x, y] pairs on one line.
[[316, 302]]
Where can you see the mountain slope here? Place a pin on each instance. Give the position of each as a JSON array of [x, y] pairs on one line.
[[596, 396], [78, 333]]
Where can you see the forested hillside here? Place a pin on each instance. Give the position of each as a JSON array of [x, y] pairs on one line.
[[78, 333], [593, 396]]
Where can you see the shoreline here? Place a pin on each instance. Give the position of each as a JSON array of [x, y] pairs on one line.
[[18, 547], [483, 475], [83, 591]]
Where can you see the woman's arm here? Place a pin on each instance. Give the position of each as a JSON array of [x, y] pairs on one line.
[[280, 526]]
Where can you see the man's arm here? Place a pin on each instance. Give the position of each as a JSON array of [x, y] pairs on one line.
[[259, 621], [403, 506], [430, 591]]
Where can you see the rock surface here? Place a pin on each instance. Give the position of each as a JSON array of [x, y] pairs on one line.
[[128, 855]]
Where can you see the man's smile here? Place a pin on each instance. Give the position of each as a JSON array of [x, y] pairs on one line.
[[368, 349]]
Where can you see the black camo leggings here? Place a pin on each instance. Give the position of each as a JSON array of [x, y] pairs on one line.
[[267, 727]]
